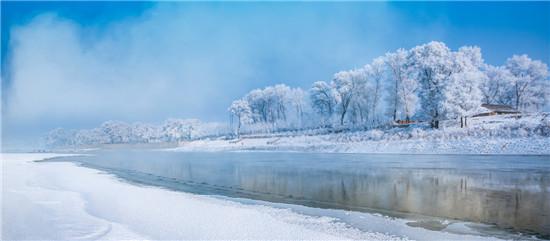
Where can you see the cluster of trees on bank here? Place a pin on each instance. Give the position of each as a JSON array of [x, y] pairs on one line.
[[118, 132], [429, 82]]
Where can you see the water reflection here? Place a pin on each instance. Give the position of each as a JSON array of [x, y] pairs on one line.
[[509, 191]]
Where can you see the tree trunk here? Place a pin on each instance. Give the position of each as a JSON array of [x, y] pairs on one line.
[[435, 121], [395, 100], [239, 128], [461, 122], [517, 96]]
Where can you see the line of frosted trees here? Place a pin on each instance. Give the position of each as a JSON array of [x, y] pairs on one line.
[[118, 132], [426, 83]]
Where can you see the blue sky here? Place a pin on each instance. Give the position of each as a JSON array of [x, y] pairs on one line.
[[77, 64]]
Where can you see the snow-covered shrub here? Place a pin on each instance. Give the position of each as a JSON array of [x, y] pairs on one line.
[[375, 135]]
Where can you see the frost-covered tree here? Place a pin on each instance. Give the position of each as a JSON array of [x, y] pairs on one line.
[[530, 82], [297, 100], [269, 105], [375, 73], [279, 95], [193, 128], [408, 97], [145, 133], [259, 105], [401, 87], [432, 64], [463, 96], [174, 130], [470, 56], [59, 137], [117, 131], [241, 110], [323, 100], [397, 66], [345, 90], [360, 105], [497, 85], [91, 137]]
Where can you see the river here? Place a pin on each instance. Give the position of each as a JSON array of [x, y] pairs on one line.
[[509, 191]]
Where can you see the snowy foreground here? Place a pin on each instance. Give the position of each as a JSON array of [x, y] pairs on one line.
[[66, 201], [485, 135]]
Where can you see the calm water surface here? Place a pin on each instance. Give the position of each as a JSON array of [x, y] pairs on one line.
[[511, 192]]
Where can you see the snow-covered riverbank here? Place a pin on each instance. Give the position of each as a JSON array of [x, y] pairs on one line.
[[323, 143], [521, 134], [486, 135], [65, 201]]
